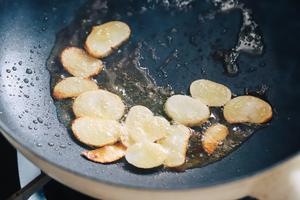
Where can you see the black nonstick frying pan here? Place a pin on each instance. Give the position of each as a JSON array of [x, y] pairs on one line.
[[31, 31]]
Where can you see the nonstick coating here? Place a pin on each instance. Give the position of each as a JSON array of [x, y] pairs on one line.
[[28, 115]]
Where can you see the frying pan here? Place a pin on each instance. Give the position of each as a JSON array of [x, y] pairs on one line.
[[28, 117]]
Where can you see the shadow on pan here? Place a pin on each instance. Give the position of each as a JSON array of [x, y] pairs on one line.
[[172, 63]]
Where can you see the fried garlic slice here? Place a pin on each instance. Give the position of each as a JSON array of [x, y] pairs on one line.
[[73, 87], [146, 155], [106, 37], [106, 154], [176, 144], [186, 110], [213, 136], [210, 93], [247, 109], [142, 125], [99, 103], [78, 63], [124, 137], [95, 131]]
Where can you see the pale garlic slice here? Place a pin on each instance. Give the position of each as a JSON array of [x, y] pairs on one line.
[[176, 144], [213, 136], [78, 63], [106, 154], [247, 109], [99, 103], [73, 87], [186, 110], [124, 137], [95, 131], [146, 155], [142, 125], [103, 39], [209, 92]]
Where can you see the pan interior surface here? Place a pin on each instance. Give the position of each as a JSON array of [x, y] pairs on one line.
[[29, 115], [163, 60]]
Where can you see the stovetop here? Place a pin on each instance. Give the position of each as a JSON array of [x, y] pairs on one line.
[[52, 190]]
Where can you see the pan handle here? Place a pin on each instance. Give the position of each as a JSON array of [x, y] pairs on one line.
[[35, 185]]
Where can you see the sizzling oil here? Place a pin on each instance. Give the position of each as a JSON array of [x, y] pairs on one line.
[[249, 39], [143, 70]]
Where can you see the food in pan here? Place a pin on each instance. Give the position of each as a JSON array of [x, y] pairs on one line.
[[78, 63], [214, 136], [210, 93], [186, 110], [104, 38], [145, 139], [146, 155], [73, 87], [124, 137], [96, 132], [99, 103], [142, 125], [247, 109], [106, 154], [176, 144]]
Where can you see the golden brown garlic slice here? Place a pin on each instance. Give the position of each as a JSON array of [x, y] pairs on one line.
[[106, 37], [146, 155], [99, 103], [186, 110], [78, 63], [106, 154], [73, 87], [213, 136], [247, 109], [95, 131], [210, 93]]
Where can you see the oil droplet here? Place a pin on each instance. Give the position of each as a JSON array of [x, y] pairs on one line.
[[39, 120], [26, 80], [62, 146], [20, 62], [39, 145], [8, 70], [28, 71], [14, 68], [31, 51], [51, 144], [56, 135]]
